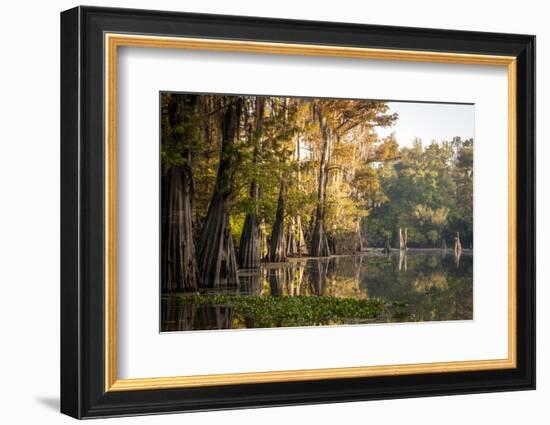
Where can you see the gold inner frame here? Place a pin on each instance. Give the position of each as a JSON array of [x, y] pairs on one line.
[[113, 41]]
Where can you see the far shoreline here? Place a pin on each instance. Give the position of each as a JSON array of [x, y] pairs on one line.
[[378, 252]]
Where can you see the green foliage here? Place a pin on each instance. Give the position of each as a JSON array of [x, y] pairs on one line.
[[371, 183], [267, 311], [236, 223], [429, 191], [181, 125]]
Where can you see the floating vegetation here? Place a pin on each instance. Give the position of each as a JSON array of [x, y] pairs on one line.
[[267, 311]]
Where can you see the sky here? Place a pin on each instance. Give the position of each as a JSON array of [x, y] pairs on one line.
[[430, 121]]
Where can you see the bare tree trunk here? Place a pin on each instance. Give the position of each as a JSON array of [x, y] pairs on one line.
[[402, 239], [264, 245], [217, 263], [301, 246], [249, 246], [179, 267], [291, 246], [319, 243], [295, 243], [216, 260], [277, 251], [178, 261]]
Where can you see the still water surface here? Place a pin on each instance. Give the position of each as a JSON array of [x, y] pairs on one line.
[[416, 286]]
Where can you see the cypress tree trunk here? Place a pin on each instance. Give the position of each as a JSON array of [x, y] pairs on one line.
[[301, 246], [249, 245], [179, 268], [291, 246], [277, 251], [319, 243], [178, 260], [264, 245], [217, 263]]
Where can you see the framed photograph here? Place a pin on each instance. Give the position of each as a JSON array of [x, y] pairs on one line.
[[260, 212]]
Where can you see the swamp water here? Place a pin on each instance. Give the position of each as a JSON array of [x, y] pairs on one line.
[[421, 285]]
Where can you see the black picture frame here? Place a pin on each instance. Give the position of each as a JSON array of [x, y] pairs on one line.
[[83, 392]]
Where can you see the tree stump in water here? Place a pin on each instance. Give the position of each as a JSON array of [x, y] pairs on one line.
[[403, 239], [387, 247], [458, 245], [458, 249]]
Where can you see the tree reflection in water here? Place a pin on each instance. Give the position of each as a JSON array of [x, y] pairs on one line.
[[413, 285], [188, 317]]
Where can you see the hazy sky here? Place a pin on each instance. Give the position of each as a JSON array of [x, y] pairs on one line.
[[430, 121]]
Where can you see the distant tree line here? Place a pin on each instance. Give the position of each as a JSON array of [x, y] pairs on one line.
[[429, 191]]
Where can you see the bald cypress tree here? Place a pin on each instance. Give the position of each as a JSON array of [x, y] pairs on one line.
[[178, 262], [249, 246], [217, 263]]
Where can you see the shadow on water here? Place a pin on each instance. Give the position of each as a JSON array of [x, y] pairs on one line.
[[413, 286]]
